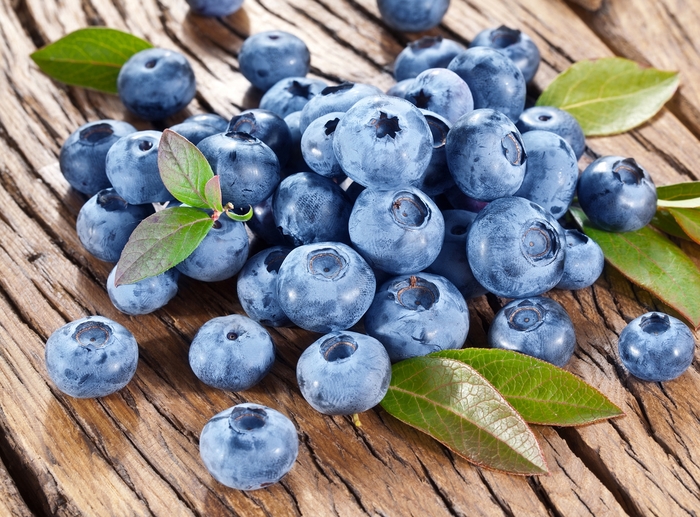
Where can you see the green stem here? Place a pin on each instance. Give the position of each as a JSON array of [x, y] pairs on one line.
[[684, 203]]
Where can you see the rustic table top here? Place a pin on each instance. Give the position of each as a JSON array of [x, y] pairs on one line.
[[136, 452]]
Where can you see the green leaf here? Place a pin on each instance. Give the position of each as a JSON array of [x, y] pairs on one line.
[[689, 220], [161, 241], [90, 57], [212, 194], [653, 262], [184, 170], [244, 217], [450, 401], [542, 393], [665, 222], [610, 95], [679, 191]]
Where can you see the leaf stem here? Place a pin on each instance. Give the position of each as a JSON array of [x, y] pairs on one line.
[[684, 203]]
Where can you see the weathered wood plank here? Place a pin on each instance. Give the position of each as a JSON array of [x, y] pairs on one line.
[[11, 502]]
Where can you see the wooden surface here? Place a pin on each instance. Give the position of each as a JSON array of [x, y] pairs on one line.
[[135, 452]]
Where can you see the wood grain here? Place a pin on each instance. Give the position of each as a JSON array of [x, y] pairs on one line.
[[136, 452]]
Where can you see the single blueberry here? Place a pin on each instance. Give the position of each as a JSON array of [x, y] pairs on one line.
[[398, 231], [249, 170], [383, 142], [549, 118], [401, 88], [220, 255], [441, 91], [335, 98], [310, 208], [494, 80], [539, 327], [344, 373], [486, 155], [516, 248], [267, 127], [317, 146], [105, 223], [145, 296], [291, 94], [214, 8], [263, 225], [617, 194], [156, 83], [656, 347], [437, 178], [295, 162], [231, 353], [91, 357], [325, 286], [517, 45], [551, 172], [83, 154], [584, 261], [197, 127], [426, 52], [268, 57], [412, 15], [257, 287], [414, 315], [132, 167], [248, 446]]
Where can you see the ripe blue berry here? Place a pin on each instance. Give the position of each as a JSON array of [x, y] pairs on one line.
[[549, 118], [412, 15], [426, 52], [269, 57], [197, 127], [584, 261], [291, 94], [214, 8], [515, 44], [145, 296]]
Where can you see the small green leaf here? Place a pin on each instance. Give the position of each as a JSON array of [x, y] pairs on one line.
[[243, 218], [161, 241], [184, 170], [653, 262], [450, 401], [90, 57], [542, 393], [679, 191], [212, 194], [610, 95], [666, 223], [689, 220]]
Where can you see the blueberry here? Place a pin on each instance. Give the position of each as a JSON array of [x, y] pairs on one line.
[[248, 168], [231, 353], [248, 446], [516, 248], [584, 261], [412, 15], [486, 155], [156, 83], [325, 286], [295, 162], [291, 94], [263, 225], [617, 194], [539, 327], [437, 178], [549, 118], [344, 373], [83, 154], [197, 127], [268, 57], [317, 145], [397, 231], [310, 208], [414, 315], [441, 91], [515, 44], [267, 127], [551, 173], [145, 296], [220, 255], [656, 347], [214, 8], [105, 223], [257, 287], [452, 262], [132, 167], [335, 98], [383, 142], [426, 52], [401, 88], [494, 80], [91, 357]]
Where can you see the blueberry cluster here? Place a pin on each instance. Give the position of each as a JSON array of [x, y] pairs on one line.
[[392, 209]]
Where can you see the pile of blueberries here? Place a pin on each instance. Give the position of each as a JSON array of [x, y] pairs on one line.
[[394, 207]]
